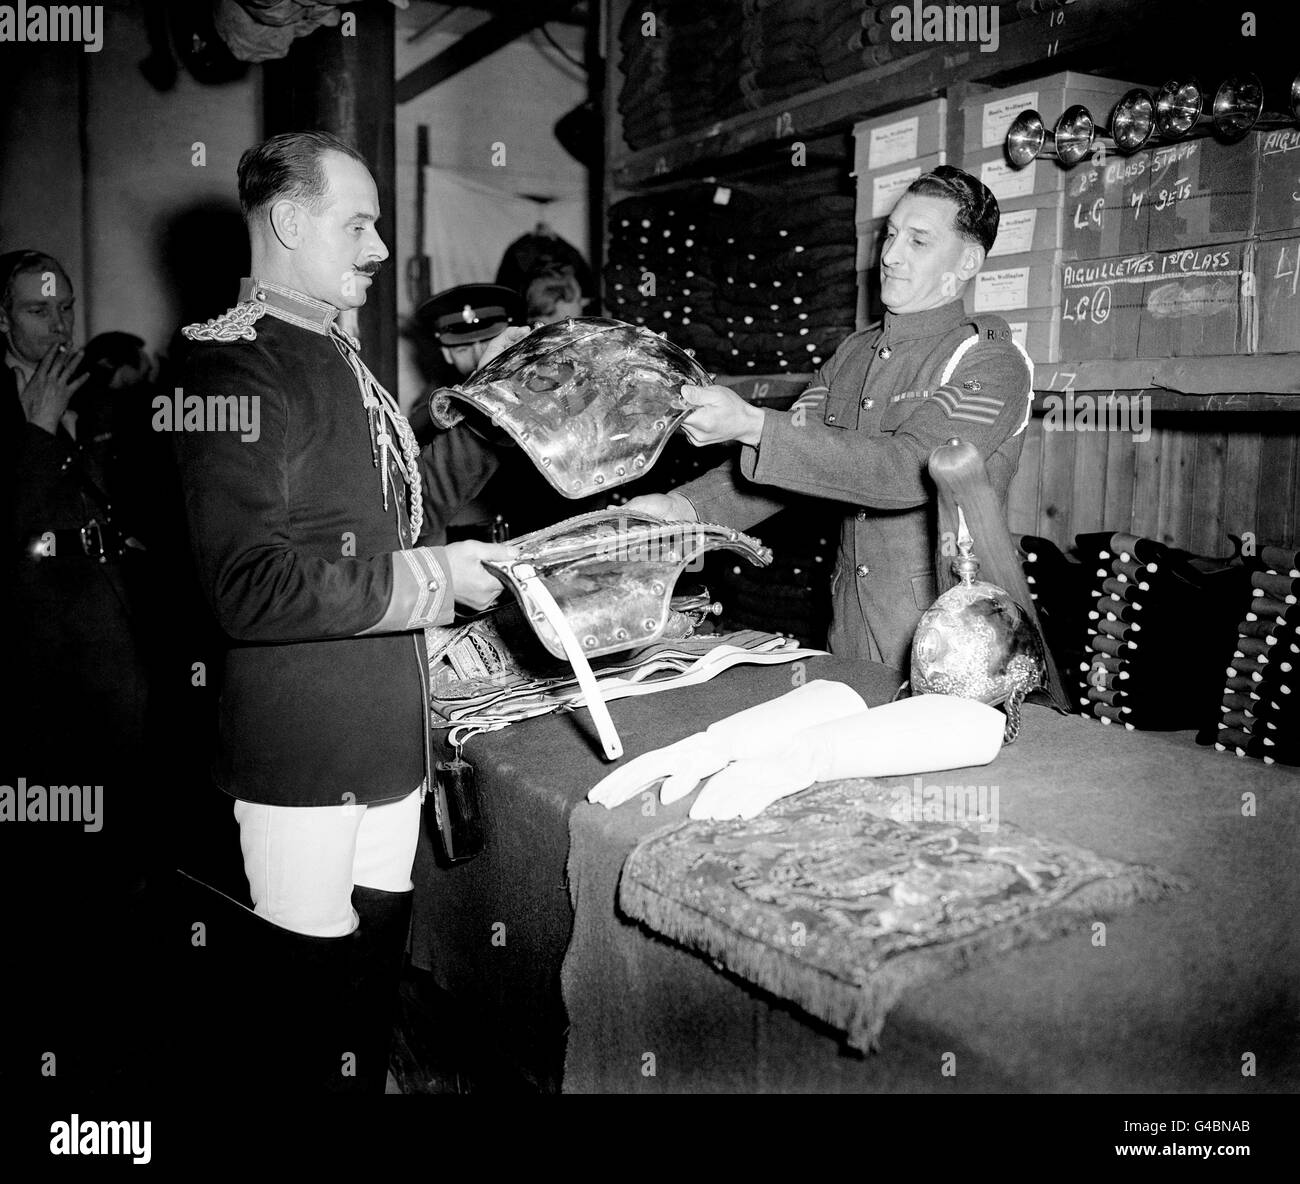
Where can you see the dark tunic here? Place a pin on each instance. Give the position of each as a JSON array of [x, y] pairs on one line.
[[861, 435], [295, 552]]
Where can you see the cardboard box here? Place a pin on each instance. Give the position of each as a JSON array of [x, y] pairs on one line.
[[907, 135], [1018, 281], [1101, 304], [1037, 331], [1277, 204], [870, 308], [987, 117], [1199, 302], [1028, 225], [1201, 191], [1040, 176], [880, 189], [869, 236], [1105, 207], [1277, 284]]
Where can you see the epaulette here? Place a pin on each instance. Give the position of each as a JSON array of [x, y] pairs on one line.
[[235, 324]]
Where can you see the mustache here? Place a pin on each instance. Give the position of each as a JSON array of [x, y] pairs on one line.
[[368, 268]]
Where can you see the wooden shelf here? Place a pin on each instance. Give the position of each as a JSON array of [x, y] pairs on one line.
[[1272, 381], [766, 390], [1086, 25], [1173, 384]]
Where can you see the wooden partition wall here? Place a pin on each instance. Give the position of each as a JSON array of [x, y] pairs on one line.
[[1200, 477]]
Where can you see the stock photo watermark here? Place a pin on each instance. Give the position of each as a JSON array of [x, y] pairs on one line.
[[41, 23], [30, 802], [1124, 413], [965, 804], [86, 1136], [180, 412], [947, 23]]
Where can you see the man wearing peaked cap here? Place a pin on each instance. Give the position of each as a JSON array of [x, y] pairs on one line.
[[465, 318]]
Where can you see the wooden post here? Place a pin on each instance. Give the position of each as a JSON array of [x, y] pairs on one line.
[[340, 80]]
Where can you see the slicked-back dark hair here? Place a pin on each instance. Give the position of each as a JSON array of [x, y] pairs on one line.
[[977, 208], [16, 263], [288, 166]]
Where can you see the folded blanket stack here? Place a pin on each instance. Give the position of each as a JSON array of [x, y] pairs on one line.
[[687, 65], [681, 64], [787, 286], [661, 268], [792, 595], [754, 277]]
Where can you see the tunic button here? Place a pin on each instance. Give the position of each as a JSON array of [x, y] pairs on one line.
[[868, 404], [831, 417], [863, 570], [884, 353], [862, 515]]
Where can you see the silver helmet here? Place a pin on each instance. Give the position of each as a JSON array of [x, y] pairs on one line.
[[977, 643]]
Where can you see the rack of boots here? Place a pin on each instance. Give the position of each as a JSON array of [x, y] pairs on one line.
[[1260, 708], [1062, 592], [1160, 631]]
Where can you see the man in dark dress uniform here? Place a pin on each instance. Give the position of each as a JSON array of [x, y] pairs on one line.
[[862, 432], [304, 522]]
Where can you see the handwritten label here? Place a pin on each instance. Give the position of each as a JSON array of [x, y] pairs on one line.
[[1006, 287], [1015, 233], [1007, 182], [893, 143], [999, 114], [1279, 327], [887, 188]]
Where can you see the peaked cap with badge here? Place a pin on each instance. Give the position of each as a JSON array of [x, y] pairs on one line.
[[469, 313]]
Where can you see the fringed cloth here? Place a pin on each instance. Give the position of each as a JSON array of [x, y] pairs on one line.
[[841, 898]]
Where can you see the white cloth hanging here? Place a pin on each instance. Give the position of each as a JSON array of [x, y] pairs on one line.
[[469, 225]]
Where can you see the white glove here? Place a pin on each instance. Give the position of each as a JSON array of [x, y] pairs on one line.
[[749, 733], [922, 734]]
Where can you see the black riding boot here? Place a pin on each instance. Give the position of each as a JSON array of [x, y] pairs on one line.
[[273, 1011], [379, 955]]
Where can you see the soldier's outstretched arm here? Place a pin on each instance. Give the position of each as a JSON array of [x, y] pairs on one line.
[[985, 401]]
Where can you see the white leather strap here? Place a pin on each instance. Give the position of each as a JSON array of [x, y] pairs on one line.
[[541, 596]]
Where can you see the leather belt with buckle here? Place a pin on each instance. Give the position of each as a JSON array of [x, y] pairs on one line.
[[94, 541]]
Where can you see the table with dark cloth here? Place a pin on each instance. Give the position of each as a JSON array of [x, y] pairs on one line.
[[1177, 995]]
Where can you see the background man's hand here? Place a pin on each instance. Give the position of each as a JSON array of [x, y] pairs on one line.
[[474, 586], [45, 397], [720, 415], [671, 507], [502, 342]]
